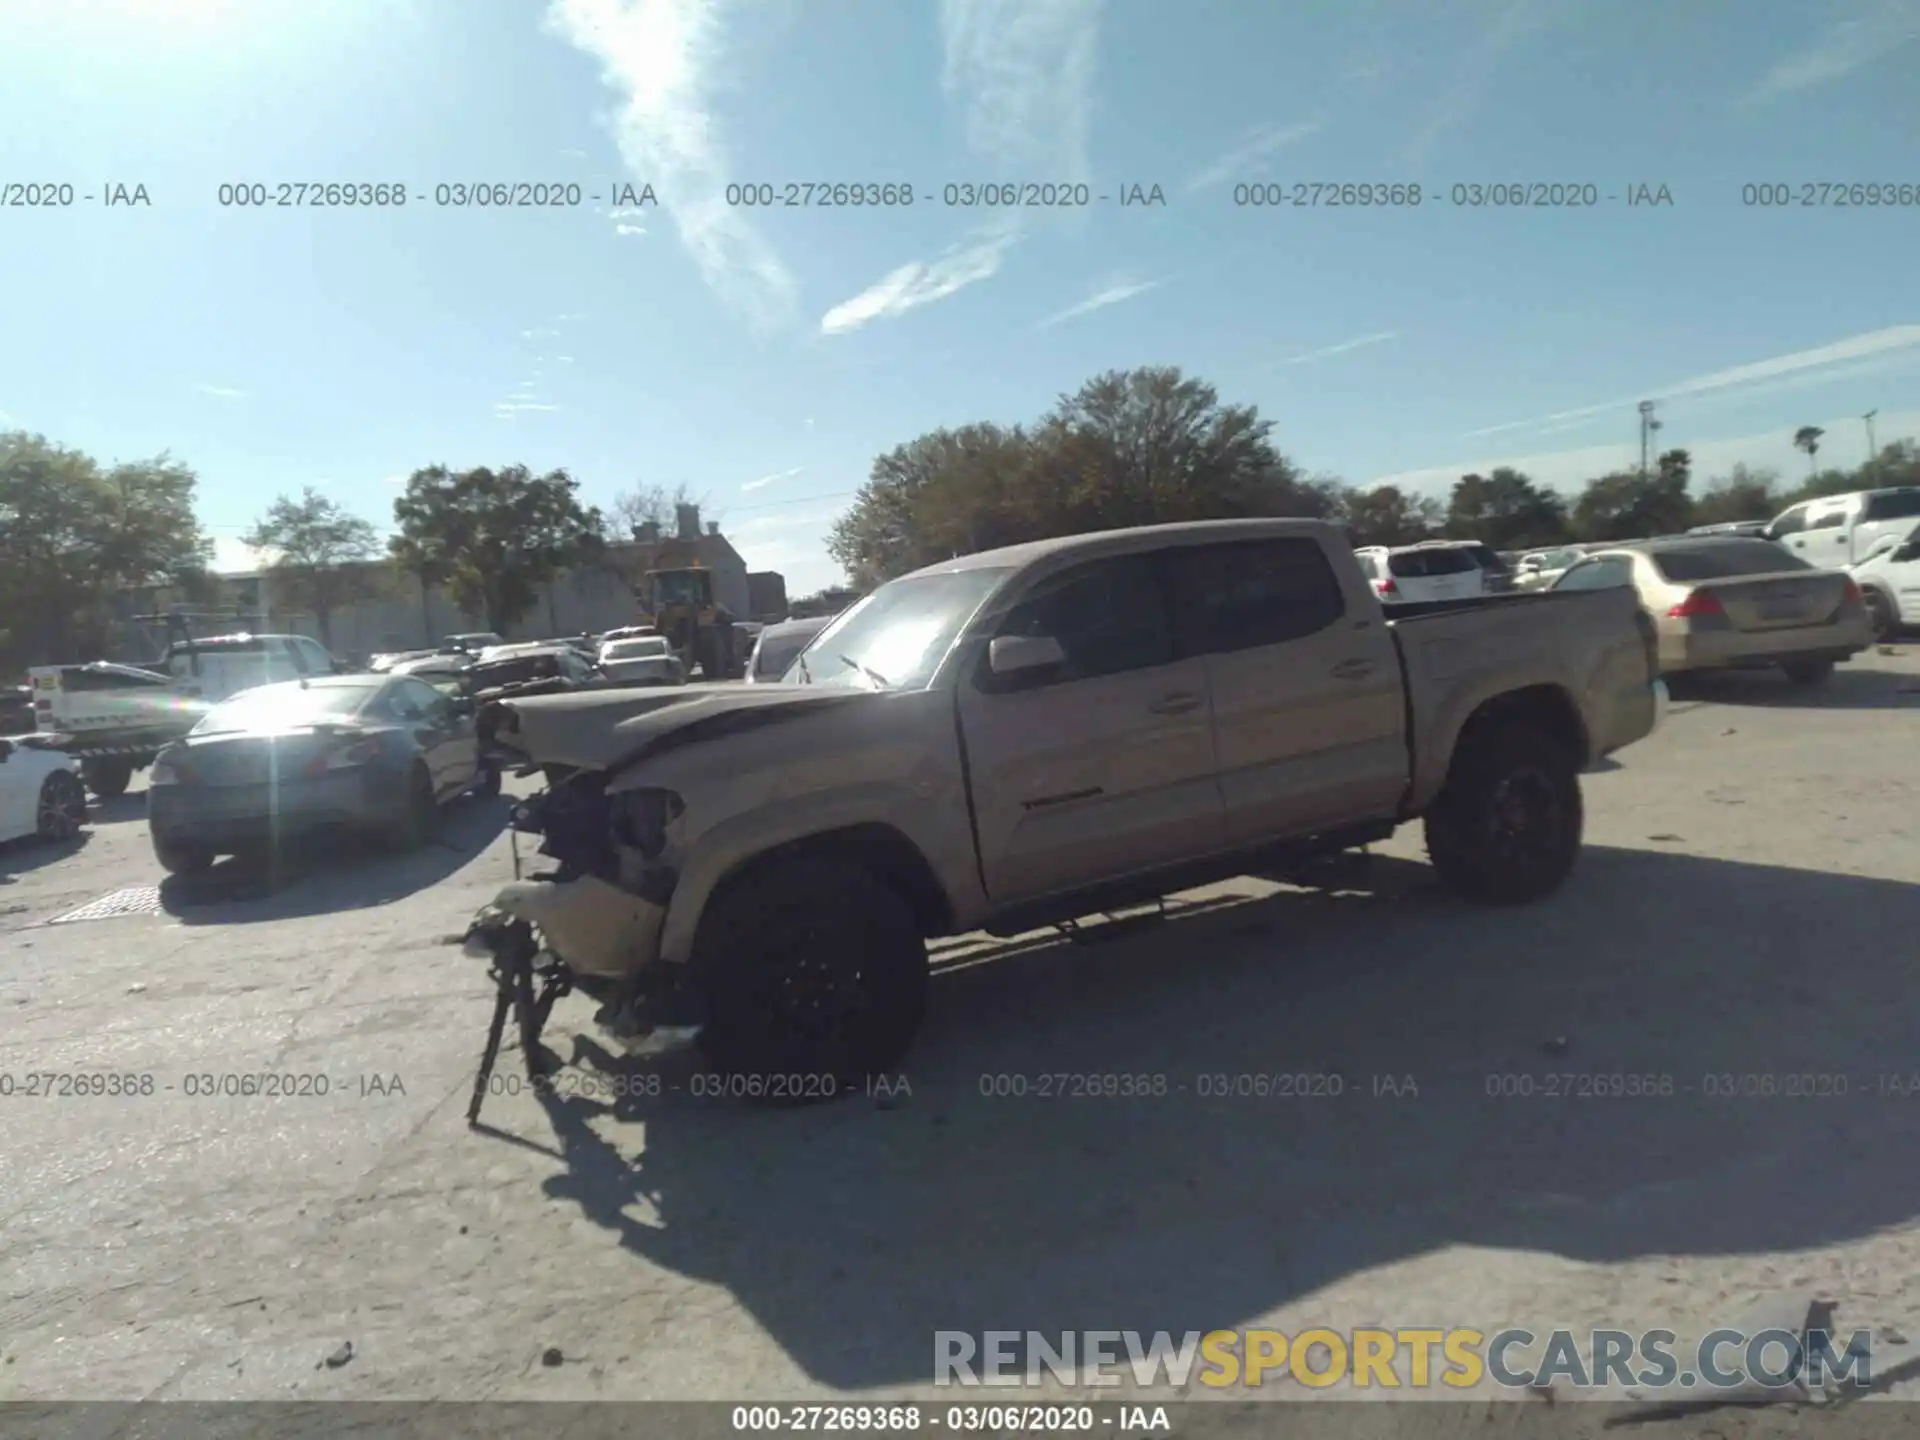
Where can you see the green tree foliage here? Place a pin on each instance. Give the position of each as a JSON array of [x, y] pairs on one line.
[[1507, 510], [494, 537], [1135, 447], [1742, 494], [1630, 506], [1387, 515], [321, 554], [74, 535], [1808, 438]]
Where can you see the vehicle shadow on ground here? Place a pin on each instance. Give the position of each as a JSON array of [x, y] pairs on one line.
[[854, 1231], [21, 857], [119, 810], [1851, 687], [324, 874]]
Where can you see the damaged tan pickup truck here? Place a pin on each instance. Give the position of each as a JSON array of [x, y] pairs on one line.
[[1013, 739]]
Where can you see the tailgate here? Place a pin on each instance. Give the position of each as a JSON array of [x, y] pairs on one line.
[[1791, 600]]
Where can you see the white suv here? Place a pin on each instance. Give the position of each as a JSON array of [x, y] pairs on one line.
[[1408, 574]]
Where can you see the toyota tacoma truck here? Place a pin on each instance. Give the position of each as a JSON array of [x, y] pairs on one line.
[[1017, 738]]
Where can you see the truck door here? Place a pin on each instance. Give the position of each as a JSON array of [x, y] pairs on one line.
[[1827, 542], [1102, 767], [1309, 716]]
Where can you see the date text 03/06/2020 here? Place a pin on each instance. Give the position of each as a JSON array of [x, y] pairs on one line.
[[953, 195], [1463, 195], [1210, 1085], [97, 1085]]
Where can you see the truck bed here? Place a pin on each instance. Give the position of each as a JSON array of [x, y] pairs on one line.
[[1593, 647]]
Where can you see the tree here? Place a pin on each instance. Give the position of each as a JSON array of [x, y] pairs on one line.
[[1807, 438], [1507, 510], [644, 505], [1627, 505], [1387, 515], [1742, 494], [494, 537], [74, 537], [321, 554], [1128, 448]]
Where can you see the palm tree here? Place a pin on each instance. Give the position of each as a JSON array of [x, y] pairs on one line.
[[1807, 438]]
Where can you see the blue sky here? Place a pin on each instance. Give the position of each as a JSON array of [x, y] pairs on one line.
[[763, 358]]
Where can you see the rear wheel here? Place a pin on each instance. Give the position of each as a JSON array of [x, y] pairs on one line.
[[1506, 827], [182, 857], [62, 808], [1807, 672], [815, 978], [420, 816], [107, 779]]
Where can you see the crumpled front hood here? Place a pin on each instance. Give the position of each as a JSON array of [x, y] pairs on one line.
[[596, 729]]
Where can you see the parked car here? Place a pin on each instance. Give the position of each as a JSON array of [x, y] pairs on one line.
[[778, 646], [1411, 574], [1889, 581], [40, 791], [1538, 569], [472, 642], [1019, 737], [1498, 574], [1839, 530], [16, 710], [642, 660], [111, 719], [215, 667], [1731, 602], [372, 752]]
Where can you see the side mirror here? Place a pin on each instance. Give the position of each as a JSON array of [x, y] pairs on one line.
[[1022, 654]]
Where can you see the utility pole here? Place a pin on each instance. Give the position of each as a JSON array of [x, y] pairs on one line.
[[1873, 451], [1647, 425]]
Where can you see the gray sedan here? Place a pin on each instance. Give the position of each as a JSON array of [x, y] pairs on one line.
[[371, 752]]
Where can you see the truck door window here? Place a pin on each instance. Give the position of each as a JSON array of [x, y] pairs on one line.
[[1832, 520], [1791, 522], [1110, 616], [1250, 593], [1892, 505]]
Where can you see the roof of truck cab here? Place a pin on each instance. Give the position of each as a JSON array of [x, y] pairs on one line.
[[1096, 542]]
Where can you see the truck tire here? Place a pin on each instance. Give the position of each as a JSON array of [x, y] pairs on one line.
[[815, 976], [419, 815], [1505, 829], [1882, 614], [107, 778], [1807, 672]]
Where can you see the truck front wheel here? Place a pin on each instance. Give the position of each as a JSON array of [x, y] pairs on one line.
[[107, 779], [815, 977], [1505, 829]]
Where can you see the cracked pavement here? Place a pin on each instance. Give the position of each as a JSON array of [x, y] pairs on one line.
[[1747, 906]]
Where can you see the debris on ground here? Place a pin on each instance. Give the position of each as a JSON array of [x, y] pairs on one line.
[[339, 1357]]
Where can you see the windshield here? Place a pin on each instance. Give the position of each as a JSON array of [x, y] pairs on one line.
[[1724, 559], [285, 707], [683, 588], [775, 653], [635, 650], [896, 638]]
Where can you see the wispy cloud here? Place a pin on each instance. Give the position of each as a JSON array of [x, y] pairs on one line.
[[808, 422], [1022, 72], [564, 359], [627, 212], [660, 56], [629, 230], [775, 478], [1472, 76], [1839, 51], [221, 392], [1805, 366], [507, 409], [1112, 293], [922, 282], [1250, 156], [568, 318], [1359, 342], [572, 154]]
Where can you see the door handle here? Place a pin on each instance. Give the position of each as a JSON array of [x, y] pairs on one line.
[[1180, 703], [1352, 670]]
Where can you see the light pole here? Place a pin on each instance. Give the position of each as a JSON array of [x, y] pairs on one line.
[[1646, 433], [1873, 451]]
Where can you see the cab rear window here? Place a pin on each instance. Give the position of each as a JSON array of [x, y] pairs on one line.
[[1426, 564]]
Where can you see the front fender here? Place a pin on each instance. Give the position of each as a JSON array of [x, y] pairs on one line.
[[735, 842]]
